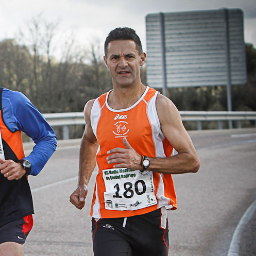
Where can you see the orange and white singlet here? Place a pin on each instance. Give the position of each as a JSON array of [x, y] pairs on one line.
[[122, 192]]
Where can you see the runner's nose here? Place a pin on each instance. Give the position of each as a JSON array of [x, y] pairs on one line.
[[122, 63]]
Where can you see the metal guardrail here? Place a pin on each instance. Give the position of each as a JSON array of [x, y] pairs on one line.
[[77, 118], [61, 119], [219, 116]]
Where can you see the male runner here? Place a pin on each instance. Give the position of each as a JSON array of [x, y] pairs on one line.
[[16, 207], [130, 134]]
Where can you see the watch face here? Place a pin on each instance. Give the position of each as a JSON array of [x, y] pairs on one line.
[[146, 163], [26, 164]]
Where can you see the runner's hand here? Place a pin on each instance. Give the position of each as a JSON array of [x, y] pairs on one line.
[[11, 170], [124, 157], [77, 198]]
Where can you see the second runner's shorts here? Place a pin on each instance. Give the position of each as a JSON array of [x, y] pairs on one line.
[[16, 231]]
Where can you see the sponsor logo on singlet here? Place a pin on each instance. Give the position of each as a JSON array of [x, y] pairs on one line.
[[120, 117], [121, 128]]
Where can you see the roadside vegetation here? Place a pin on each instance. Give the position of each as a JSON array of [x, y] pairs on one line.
[[58, 75]]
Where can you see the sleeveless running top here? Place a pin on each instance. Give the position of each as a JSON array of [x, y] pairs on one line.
[[116, 188], [15, 195]]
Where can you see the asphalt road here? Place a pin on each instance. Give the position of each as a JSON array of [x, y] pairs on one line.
[[210, 202]]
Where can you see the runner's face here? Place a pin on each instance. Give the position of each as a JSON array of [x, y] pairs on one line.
[[124, 62]]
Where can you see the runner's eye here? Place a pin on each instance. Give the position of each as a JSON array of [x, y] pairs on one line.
[[115, 57], [129, 56]]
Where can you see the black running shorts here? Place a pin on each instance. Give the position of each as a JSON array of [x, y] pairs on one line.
[[142, 235], [16, 231]]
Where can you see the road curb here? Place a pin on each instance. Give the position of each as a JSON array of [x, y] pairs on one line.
[[236, 239]]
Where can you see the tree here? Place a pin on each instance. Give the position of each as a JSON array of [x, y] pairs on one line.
[[52, 83], [14, 64], [244, 95], [96, 78]]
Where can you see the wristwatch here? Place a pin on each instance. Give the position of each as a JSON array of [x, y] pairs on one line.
[[145, 163], [26, 165]]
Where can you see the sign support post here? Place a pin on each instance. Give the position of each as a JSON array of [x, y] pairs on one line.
[[228, 70], [163, 53]]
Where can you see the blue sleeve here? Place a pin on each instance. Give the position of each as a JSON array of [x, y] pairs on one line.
[[24, 116]]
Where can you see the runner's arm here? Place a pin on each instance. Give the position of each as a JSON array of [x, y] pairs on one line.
[[187, 159], [87, 160], [21, 115]]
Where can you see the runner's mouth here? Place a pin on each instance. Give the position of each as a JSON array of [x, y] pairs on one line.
[[124, 72]]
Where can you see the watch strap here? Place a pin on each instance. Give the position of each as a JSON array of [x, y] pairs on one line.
[[141, 161], [27, 169]]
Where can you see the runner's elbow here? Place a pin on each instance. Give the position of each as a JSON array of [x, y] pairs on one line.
[[195, 166]]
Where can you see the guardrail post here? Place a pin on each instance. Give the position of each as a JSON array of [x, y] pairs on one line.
[[220, 126], [65, 131], [239, 124], [199, 125], [230, 122]]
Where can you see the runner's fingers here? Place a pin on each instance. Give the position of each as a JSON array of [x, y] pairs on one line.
[[126, 143], [115, 156], [116, 160], [117, 150], [8, 175], [7, 166], [74, 199], [14, 174]]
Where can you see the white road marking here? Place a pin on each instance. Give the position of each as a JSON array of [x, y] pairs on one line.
[[236, 239], [243, 135], [54, 184]]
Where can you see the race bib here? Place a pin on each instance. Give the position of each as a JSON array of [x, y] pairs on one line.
[[128, 189]]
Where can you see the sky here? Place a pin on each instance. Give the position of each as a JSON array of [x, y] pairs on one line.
[[92, 20]]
